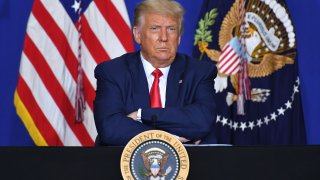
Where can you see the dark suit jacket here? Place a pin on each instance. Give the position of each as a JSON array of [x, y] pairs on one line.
[[122, 88]]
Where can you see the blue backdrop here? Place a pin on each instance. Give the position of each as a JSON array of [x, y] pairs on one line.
[[13, 19]]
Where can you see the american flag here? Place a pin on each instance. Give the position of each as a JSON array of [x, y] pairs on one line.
[[229, 59], [46, 91]]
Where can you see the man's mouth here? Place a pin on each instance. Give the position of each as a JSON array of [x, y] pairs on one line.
[[163, 49]]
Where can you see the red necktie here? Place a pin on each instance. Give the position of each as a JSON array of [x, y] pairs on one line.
[[155, 99]]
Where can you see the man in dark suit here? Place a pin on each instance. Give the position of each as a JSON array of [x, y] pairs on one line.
[[156, 87]]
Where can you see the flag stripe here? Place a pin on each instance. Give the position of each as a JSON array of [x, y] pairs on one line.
[[56, 91], [121, 8], [89, 96], [49, 66], [235, 69], [88, 66], [229, 60], [232, 67], [224, 53], [52, 56], [56, 63], [46, 103], [28, 121], [117, 24], [42, 124], [64, 23], [57, 36], [89, 122], [101, 29], [226, 50], [59, 39], [94, 46]]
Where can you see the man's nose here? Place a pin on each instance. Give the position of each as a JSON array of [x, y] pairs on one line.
[[163, 35]]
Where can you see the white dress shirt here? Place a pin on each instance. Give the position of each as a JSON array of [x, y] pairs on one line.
[[148, 69]]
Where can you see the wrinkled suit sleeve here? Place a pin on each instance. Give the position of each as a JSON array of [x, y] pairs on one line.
[[193, 121], [113, 125]]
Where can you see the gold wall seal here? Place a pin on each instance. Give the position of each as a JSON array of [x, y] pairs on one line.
[[154, 155]]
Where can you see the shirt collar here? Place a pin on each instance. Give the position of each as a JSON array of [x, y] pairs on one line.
[[148, 68]]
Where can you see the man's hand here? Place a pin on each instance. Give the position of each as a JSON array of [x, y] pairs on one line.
[[183, 140], [133, 115], [197, 142]]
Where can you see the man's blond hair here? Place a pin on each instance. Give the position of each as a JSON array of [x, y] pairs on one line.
[[163, 7]]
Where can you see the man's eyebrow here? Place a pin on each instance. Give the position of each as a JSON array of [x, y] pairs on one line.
[[158, 25]]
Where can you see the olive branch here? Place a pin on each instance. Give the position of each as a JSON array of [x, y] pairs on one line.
[[142, 171], [202, 33]]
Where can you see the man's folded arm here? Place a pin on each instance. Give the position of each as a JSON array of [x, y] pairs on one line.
[[113, 125], [193, 121]]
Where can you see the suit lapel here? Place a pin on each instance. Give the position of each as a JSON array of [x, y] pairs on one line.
[[174, 81], [140, 94]]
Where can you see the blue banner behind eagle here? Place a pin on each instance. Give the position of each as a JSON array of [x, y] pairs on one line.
[[273, 114]]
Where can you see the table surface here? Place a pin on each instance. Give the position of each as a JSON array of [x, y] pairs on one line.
[[233, 162]]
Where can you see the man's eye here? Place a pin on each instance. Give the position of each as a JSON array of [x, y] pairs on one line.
[[153, 28], [171, 29]]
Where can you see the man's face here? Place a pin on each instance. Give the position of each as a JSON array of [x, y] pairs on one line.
[[159, 37]]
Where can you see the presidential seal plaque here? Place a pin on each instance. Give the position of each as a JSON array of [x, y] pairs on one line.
[[154, 155]]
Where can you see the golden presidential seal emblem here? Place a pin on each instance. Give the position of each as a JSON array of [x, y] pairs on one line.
[[257, 37], [269, 38], [154, 155]]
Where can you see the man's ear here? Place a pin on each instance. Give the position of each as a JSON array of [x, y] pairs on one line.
[[179, 40], [137, 34]]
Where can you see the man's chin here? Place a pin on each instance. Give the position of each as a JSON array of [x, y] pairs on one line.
[[164, 58], [164, 55], [163, 61]]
